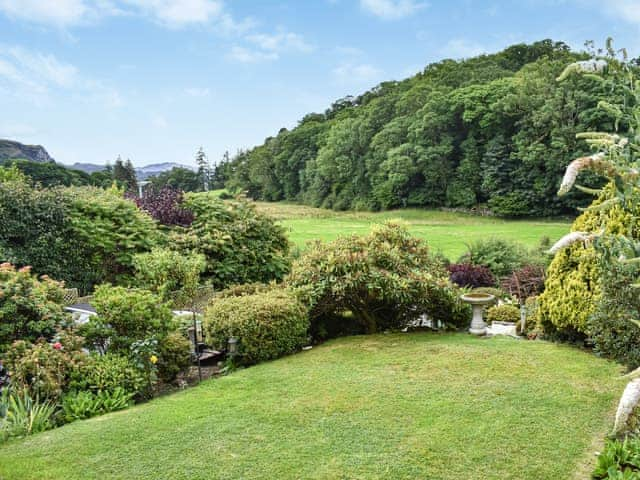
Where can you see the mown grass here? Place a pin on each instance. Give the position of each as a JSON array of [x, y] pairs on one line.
[[398, 406], [446, 232]]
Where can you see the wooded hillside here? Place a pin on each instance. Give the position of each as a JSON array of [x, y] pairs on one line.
[[495, 130]]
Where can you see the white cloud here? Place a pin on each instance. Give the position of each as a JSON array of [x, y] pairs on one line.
[[349, 73], [264, 47], [392, 9], [461, 48], [280, 42], [170, 13], [197, 92], [178, 13], [60, 12], [35, 76], [247, 55]]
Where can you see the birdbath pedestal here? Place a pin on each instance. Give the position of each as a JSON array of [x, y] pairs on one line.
[[477, 302]]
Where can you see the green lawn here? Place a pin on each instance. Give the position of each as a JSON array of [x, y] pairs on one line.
[[398, 406], [446, 232]]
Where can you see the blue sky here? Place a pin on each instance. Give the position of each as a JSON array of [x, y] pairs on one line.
[[152, 80]]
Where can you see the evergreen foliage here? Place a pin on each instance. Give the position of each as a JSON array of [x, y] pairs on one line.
[[495, 129], [239, 244]]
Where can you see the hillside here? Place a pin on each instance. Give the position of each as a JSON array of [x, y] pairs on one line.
[[142, 173], [11, 150], [495, 130]]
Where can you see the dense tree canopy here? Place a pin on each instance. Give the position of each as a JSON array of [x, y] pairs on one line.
[[495, 129]]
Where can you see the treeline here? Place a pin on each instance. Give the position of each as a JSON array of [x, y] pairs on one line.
[[494, 130], [51, 174]]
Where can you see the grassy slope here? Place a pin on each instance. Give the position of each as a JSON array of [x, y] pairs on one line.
[[386, 406], [444, 231]]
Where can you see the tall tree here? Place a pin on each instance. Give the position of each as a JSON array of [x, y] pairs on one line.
[[125, 174], [204, 169]]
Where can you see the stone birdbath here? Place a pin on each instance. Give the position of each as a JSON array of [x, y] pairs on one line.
[[478, 301]]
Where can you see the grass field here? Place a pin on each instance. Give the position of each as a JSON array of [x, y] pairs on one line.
[[446, 232], [398, 406]]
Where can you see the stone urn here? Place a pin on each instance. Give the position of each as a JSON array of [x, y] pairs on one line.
[[478, 302]]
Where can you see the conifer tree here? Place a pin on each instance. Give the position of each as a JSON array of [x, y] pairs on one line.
[[204, 169]]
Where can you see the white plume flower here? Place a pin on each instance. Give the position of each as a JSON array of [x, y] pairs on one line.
[[584, 66], [574, 168], [628, 402], [571, 238]]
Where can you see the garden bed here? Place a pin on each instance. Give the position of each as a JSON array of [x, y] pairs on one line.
[[417, 405]]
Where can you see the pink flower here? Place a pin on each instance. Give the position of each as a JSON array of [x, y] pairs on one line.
[[57, 346]]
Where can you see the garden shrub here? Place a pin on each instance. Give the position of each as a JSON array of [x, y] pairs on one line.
[[107, 373], [240, 245], [384, 279], [503, 313], [245, 289], [572, 285], [166, 205], [125, 316], [82, 235], [45, 370], [267, 325], [469, 275], [611, 325], [525, 282], [174, 356], [172, 275], [111, 230], [36, 231], [30, 308], [500, 256]]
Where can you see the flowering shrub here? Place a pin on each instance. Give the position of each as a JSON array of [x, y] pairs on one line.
[[30, 308], [42, 369], [469, 275]]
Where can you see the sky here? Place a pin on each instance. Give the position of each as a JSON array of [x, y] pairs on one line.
[[153, 80]]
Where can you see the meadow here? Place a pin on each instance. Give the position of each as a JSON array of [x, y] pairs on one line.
[[446, 232]]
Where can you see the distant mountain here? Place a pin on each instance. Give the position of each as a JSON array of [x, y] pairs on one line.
[[87, 167], [10, 150], [150, 170], [142, 172]]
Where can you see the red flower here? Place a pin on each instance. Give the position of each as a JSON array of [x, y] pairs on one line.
[[57, 346]]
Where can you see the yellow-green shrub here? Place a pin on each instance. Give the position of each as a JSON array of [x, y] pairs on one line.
[[572, 285]]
